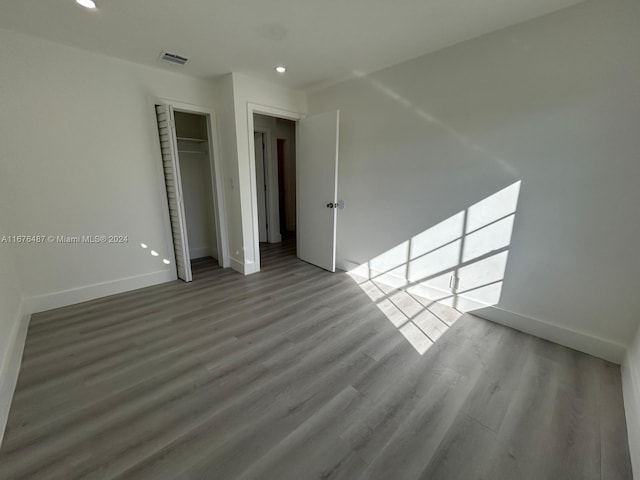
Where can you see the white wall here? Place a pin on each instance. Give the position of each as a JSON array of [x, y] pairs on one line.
[[79, 155], [10, 302], [264, 122], [197, 197], [209, 193], [12, 329], [250, 91], [12, 324], [553, 103], [631, 389], [225, 112], [191, 125]]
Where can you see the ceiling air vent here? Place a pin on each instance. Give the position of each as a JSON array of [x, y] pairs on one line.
[[173, 58]]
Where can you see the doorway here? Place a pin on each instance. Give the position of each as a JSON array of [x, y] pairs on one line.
[[316, 183], [192, 188], [275, 176]]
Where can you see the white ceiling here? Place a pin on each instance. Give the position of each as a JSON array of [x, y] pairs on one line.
[[320, 41]]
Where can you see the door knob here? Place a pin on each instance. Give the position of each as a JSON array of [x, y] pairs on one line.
[[339, 204]]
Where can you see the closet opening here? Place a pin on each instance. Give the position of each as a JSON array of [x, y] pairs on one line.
[[192, 189]]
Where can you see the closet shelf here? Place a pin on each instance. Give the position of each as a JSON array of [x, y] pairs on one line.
[[192, 151], [195, 140]]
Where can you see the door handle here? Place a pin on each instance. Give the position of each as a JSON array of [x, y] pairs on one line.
[[339, 204]]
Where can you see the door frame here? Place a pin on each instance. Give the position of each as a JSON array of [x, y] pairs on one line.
[[217, 175], [273, 112]]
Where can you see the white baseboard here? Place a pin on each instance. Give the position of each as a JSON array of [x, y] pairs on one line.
[[244, 268], [578, 340], [237, 265], [10, 367], [41, 303], [250, 267], [345, 265], [631, 393]]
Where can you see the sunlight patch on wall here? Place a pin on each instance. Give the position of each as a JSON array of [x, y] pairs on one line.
[[425, 283], [153, 253]]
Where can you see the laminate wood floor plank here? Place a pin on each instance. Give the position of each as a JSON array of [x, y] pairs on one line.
[[296, 373]]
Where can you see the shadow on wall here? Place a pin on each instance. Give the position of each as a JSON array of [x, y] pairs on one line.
[[424, 284]]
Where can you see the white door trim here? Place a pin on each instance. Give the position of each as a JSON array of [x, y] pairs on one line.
[[273, 112], [217, 176]]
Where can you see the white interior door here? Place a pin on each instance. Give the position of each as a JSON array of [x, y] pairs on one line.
[[261, 186], [317, 188], [171, 164]]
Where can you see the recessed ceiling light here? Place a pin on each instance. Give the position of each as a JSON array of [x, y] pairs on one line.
[[281, 69], [87, 3]]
